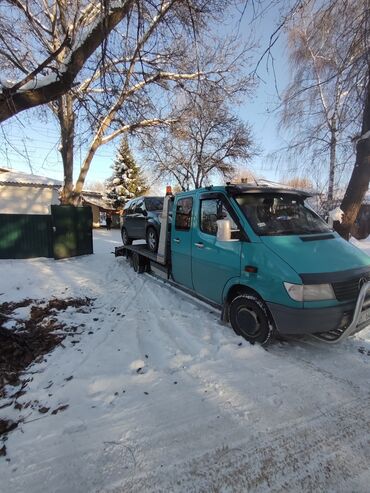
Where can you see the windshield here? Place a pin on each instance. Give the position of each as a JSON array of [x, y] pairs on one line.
[[273, 214], [154, 203]]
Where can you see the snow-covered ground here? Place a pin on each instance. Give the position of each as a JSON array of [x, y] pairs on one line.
[[166, 398]]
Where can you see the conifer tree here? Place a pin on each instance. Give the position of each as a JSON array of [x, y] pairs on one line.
[[127, 180]]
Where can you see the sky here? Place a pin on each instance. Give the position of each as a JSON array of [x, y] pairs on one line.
[[32, 141]]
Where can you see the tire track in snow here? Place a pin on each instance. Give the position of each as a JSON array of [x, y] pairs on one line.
[[329, 453], [174, 329], [312, 349]]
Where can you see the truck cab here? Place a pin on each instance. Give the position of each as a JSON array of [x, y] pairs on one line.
[[269, 261]]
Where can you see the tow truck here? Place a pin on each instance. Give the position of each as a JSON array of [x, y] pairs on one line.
[[262, 256]]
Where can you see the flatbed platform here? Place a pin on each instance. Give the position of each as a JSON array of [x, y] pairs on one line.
[[142, 250]]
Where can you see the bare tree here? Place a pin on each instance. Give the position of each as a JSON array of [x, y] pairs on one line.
[[351, 21], [301, 183], [96, 186], [160, 46], [208, 140], [321, 107], [45, 45]]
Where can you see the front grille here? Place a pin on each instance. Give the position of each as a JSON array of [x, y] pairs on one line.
[[348, 290]]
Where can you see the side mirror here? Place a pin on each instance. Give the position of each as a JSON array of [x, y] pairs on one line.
[[223, 230], [144, 212]]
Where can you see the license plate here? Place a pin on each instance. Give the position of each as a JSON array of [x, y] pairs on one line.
[[364, 317]]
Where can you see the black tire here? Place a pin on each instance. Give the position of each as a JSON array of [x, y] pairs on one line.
[[125, 238], [152, 239], [138, 263], [250, 319]]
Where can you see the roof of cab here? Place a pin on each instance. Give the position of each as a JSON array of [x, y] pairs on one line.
[[234, 189], [237, 188]]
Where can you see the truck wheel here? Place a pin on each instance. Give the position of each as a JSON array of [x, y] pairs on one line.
[[138, 263], [152, 239], [125, 238], [249, 318]]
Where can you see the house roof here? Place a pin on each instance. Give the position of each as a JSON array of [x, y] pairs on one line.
[[99, 202], [92, 193], [11, 177]]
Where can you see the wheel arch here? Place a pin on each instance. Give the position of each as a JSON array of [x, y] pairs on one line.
[[151, 224], [231, 292]]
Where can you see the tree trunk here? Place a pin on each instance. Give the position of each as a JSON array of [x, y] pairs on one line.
[[67, 125], [359, 182], [85, 168], [333, 151]]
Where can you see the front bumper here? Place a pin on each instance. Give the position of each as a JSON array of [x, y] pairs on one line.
[[330, 324]]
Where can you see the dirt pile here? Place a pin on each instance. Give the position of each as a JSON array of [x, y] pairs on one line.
[[33, 337], [26, 342]]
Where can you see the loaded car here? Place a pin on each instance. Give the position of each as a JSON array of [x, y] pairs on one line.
[[141, 220]]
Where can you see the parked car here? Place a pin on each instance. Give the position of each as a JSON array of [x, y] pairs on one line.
[[141, 220]]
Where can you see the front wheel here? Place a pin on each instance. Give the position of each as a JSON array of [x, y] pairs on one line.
[[249, 318]]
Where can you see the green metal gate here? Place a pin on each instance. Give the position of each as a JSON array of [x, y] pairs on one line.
[[67, 232], [72, 231], [25, 236]]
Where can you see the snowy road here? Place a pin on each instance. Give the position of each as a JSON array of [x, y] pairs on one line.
[[165, 398]]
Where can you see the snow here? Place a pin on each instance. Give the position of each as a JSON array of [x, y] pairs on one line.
[[21, 178], [39, 81], [335, 215], [166, 398]]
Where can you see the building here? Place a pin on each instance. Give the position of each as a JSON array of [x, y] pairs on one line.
[[100, 207], [23, 193]]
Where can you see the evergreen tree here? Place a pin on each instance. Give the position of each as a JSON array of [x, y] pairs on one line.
[[127, 180]]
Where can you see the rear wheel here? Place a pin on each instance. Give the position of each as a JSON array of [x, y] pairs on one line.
[[250, 319], [138, 262], [125, 238], [152, 239]]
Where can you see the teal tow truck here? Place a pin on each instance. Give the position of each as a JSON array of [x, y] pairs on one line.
[[265, 258]]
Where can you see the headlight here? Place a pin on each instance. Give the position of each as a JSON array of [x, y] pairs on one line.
[[310, 292]]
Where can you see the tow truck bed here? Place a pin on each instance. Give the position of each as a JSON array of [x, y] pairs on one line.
[[141, 256], [141, 249]]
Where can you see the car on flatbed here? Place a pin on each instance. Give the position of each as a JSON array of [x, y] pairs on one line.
[[265, 258], [140, 220]]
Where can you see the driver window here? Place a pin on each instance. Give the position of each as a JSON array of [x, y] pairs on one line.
[[210, 211]]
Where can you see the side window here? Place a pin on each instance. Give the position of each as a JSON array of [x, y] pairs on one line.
[[129, 207], [210, 211], [139, 206], [183, 214]]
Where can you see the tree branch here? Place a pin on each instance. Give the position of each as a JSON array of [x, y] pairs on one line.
[[11, 104]]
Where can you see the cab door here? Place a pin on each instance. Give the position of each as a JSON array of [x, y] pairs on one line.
[[181, 234], [214, 262]]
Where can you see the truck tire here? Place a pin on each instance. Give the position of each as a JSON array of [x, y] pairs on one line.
[[138, 262], [125, 238], [152, 239], [250, 319]]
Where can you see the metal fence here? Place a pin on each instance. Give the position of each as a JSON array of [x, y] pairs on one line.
[[66, 232]]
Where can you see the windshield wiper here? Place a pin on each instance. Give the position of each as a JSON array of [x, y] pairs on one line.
[[282, 232]]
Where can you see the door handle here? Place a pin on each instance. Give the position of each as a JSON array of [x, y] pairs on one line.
[[176, 240], [199, 245]]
